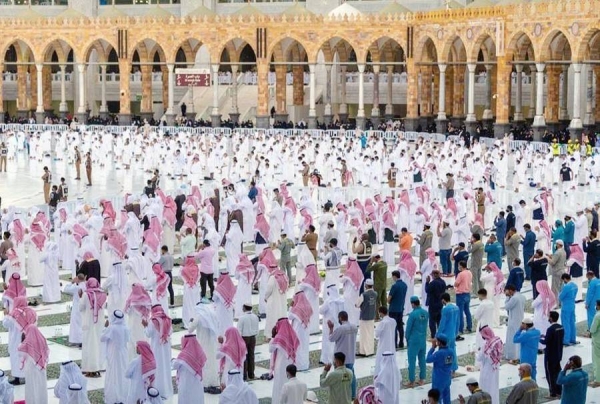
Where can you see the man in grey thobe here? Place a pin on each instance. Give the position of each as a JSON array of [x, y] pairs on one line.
[[515, 307]]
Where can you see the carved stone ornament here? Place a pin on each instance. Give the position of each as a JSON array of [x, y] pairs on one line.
[[537, 31]]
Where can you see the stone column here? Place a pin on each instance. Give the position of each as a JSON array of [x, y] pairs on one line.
[[146, 105], [532, 92], [81, 110], [234, 115], [281, 114], [328, 114], [471, 119], [375, 113], [1, 94], [389, 108], [503, 72], [589, 121], [551, 110], [459, 95], [487, 112], [576, 126], [312, 108], [170, 114], [63, 107], [563, 113], [360, 114], [442, 121], [518, 117], [262, 109], [425, 96], [103, 107], [47, 90], [597, 97], [124, 92], [412, 87], [298, 84], [343, 112], [539, 122], [32, 102], [22, 107], [215, 116]]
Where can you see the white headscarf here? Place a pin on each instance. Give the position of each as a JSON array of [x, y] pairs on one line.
[[6, 390], [387, 380], [76, 394], [70, 373], [237, 391]]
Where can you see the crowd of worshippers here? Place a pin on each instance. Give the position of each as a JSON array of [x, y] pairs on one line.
[[123, 262]]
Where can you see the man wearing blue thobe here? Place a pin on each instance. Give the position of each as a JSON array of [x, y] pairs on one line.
[[449, 325], [416, 339], [592, 296], [528, 244], [442, 361], [567, 309], [529, 338]]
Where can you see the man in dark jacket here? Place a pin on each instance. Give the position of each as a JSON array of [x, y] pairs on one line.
[[435, 289], [553, 340], [511, 219]]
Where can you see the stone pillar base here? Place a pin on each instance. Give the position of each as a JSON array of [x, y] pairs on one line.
[[457, 121], [424, 122], [170, 118], [63, 114], [124, 119], [441, 126], [234, 117], [328, 119], [312, 122], [1, 116], [103, 114], [500, 129], [146, 115], [39, 117], [343, 117], [553, 126], [23, 113], [538, 132], [410, 124], [215, 121], [262, 121], [471, 127], [360, 122], [576, 133], [281, 117], [375, 120], [82, 117], [488, 115]]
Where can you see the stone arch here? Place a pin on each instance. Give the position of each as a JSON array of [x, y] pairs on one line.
[[339, 45], [234, 45], [556, 46], [281, 48], [189, 47], [520, 47], [146, 49], [237, 50], [454, 49], [101, 46], [426, 50], [23, 50], [60, 46], [485, 44]]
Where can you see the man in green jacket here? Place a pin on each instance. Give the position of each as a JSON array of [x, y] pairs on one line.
[[339, 380], [379, 269]]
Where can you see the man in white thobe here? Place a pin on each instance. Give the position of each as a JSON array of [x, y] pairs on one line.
[[75, 326], [6, 390], [233, 246], [206, 326], [330, 309], [115, 338], [91, 305], [385, 333], [51, 282], [70, 373], [158, 330], [387, 382], [484, 315], [276, 299], [117, 287]]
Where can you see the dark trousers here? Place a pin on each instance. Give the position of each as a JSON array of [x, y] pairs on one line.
[[399, 334], [211, 284], [170, 288], [552, 368], [367, 275], [435, 316], [249, 362]]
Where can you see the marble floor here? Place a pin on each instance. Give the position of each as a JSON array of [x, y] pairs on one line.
[[21, 186]]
